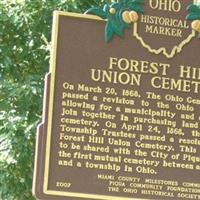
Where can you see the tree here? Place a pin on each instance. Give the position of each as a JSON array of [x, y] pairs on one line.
[[25, 31]]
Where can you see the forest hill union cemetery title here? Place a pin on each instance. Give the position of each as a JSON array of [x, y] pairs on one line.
[[162, 25], [129, 72]]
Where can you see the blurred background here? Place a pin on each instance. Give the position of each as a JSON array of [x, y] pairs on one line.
[[25, 34]]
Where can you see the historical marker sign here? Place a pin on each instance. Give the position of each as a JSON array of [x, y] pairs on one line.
[[121, 115]]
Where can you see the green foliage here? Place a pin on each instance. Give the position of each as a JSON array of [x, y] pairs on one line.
[[115, 23], [25, 31], [194, 12]]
